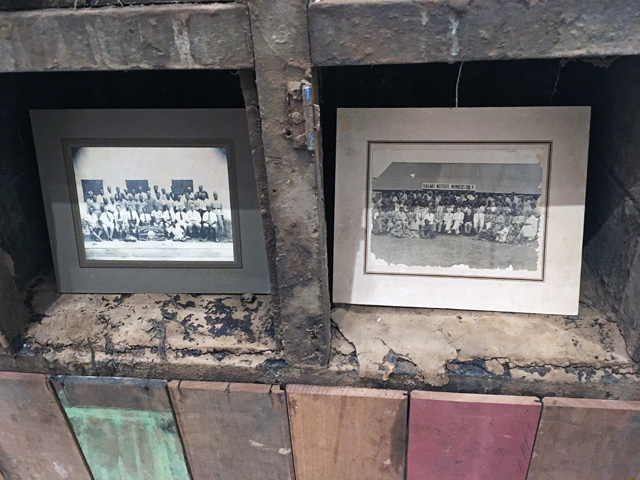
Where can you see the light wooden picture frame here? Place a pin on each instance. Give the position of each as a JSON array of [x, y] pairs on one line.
[[470, 208]]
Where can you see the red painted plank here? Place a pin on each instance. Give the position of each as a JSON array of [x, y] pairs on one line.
[[456, 436]]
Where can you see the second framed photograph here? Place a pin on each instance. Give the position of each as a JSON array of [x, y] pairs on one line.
[[146, 201], [461, 208], [468, 209]]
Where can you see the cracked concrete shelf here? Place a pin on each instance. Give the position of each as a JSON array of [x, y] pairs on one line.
[[176, 329], [434, 345]]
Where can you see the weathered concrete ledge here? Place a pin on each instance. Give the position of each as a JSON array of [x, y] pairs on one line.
[[365, 32], [452, 349], [215, 36], [90, 330], [230, 338]]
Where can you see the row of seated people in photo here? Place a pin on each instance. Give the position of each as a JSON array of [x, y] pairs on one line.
[[485, 217], [174, 223]]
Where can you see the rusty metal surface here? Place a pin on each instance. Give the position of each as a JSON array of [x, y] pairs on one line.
[[361, 32], [254, 124], [213, 36], [294, 181]]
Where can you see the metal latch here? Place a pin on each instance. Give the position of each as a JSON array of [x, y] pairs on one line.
[[304, 115]]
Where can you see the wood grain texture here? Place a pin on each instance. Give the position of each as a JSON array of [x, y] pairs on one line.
[[347, 433], [125, 427], [368, 32], [455, 436], [166, 37], [36, 441], [580, 439], [234, 431]]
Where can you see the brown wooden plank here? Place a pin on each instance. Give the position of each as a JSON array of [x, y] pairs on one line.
[[454, 434], [581, 439], [36, 441], [347, 433], [233, 431]]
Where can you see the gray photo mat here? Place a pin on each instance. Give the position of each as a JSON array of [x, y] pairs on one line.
[[52, 127]]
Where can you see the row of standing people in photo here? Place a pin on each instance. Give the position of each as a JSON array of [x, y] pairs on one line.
[[499, 218], [158, 197]]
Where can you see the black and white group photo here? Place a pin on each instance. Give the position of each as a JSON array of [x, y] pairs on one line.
[[481, 215], [154, 203]]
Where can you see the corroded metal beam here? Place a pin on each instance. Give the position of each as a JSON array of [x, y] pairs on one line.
[[294, 177], [366, 32], [215, 36]]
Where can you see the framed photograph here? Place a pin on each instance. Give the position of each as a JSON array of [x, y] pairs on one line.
[[476, 209], [154, 203], [151, 201]]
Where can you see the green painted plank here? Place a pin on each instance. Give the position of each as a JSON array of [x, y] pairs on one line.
[[125, 428]]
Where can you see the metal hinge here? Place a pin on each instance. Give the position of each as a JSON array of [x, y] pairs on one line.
[[304, 115]]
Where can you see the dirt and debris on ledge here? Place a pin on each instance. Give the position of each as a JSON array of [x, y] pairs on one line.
[[430, 346], [182, 329]]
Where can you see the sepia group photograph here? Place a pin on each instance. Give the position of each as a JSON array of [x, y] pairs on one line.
[[156, 204], [461, 209]]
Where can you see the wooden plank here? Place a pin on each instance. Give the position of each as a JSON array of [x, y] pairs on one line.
[[36, 441], [37, 4], [347, 433], [125, 427], [484, 437], [582, 439], [234, 431], [137, 37], [367, 32]]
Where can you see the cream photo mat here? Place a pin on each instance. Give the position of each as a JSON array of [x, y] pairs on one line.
[[564, 129]]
